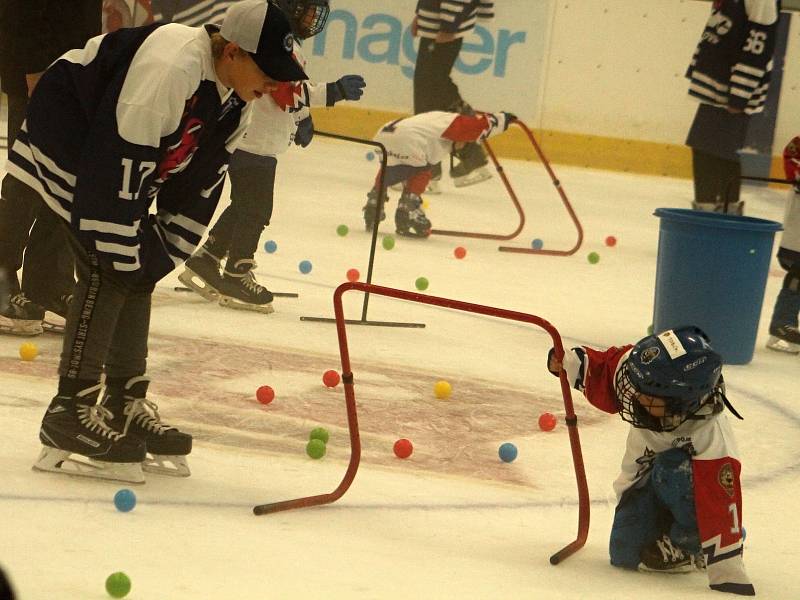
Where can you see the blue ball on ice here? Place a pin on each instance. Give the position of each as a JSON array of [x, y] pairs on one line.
[[370, 156], [537, 244], [305, 266], [507, 452], [270, 246], [125, 500]]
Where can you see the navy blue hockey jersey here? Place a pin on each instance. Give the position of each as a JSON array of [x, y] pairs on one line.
[[135, 119], [451, 16], [732, 63]]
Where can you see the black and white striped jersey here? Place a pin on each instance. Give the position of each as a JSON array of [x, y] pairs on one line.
[[451, 16], [732, 63], [134, 120]]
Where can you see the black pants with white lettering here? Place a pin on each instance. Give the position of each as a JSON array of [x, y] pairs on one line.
[[107, 324], [434, 88]]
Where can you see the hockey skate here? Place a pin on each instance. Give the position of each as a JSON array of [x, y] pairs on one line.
[[201, 275], [471, 168], [77, 426], [369, 209], [410, 219], [21, 316], [662, 556], [55, 315], [138, 418], [239, 288], [734, 208], [785, 338]]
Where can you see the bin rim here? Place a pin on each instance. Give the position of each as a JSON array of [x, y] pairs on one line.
[[717, 220]]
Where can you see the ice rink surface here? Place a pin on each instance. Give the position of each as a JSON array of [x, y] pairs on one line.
[[452, 521]]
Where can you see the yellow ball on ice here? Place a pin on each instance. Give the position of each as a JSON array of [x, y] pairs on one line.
[[442, 389], [28, 351]]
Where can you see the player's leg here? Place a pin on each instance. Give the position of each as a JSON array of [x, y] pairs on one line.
[[635, 526], [395, 174], [672, 482], [409, 218], [252, 189], [783, 328], [434, 88]]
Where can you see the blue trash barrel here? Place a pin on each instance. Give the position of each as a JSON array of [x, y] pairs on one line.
[[711, 272]]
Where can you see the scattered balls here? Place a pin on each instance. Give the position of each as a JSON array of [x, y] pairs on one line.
[[305, 267], [593, 258], [370, 156], [460, 252], [118, 585], [330, 378], [125, 500], [342, 230], [28, 351], [537, 244], [319, 433], [507, 452], [315, 448], [442, 389], [387, 242], [270, 246], [265, 394], [547, 421], [611, 241], [353, 275], [403, 448], [421, 283]]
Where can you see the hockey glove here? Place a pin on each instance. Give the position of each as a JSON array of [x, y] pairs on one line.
[[349, 87], [510, 118], [305, 132]]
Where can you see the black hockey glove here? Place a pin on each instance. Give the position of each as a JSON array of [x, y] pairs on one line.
[[349, 87], [305, 132], [510, 118]]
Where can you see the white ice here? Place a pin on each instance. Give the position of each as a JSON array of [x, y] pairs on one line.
[[452, 521]]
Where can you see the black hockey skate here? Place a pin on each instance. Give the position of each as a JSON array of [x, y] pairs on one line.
[[785, 338], [138, 417], [370, 207], [20, 316], [55, 315], [201, 274], [662, 556], [734, 208], [471, 168], [76, 425], [409, 218], [239, 288]]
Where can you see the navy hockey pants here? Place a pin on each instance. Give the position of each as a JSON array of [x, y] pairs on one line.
[[664, 503]]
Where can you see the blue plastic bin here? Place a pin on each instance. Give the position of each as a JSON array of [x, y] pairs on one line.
[[711, 272]]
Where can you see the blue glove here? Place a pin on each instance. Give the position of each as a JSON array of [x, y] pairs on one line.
[[304, 133], [349, 87]]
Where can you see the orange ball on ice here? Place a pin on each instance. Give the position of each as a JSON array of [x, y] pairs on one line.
[[547, 421], [330, 378], [403, 448], [265, 394]]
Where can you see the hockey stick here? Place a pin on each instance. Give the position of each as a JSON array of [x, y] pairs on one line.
[[564, 200], [180, 288], [571, 419]]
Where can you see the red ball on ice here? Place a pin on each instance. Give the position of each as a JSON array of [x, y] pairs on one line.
[[353, 275], [265, 394], [403, 448], [460, 252], [547, 421], [330, 378], [611, 241]]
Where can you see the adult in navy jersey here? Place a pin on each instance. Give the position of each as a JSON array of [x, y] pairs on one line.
[[415, 145], [679, 497], [729, 75], [783, 330], [128, 140], [441, 27]]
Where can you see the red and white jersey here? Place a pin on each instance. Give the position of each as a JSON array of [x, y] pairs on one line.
[[426, 138], [715, 462]]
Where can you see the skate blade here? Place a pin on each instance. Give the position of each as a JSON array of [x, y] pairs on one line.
[[433, 188], [779, 345], [20, 327], [199, 286], [414, 236], [477, 176], [682, 570], [54, 460], [229, 302], [53, 323], [162, 464]]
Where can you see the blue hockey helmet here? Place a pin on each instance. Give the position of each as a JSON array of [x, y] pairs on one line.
[[677, 366], [307, 17]]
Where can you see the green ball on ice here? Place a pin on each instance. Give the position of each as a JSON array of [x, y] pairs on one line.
[[118, 585], [388, 242], [593, 258], [422, 283], [315, 448], [319, 433], [342, 230]]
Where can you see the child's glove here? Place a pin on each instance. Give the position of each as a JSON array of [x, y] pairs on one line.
[[553, 364], [510, 118], [305, 132], [349, 87]]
